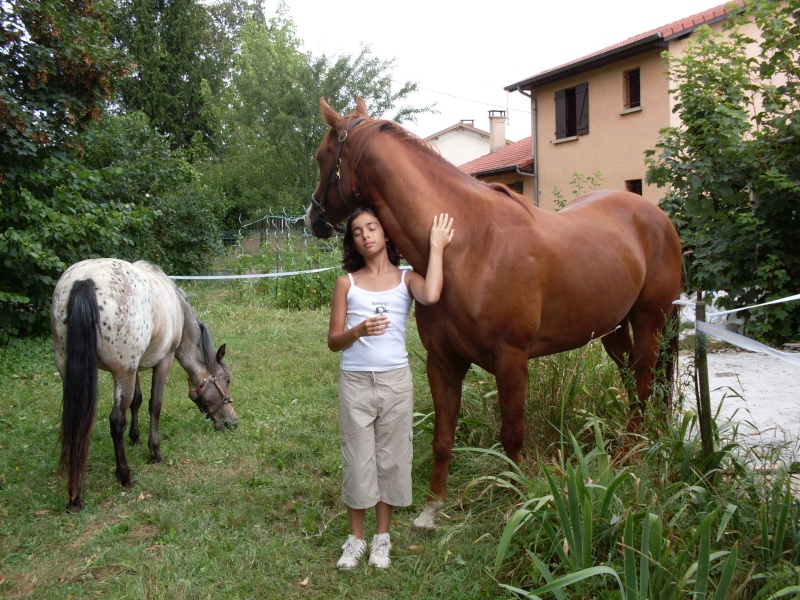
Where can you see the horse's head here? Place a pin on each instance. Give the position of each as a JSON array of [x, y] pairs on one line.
[[334, 200], [213, 395]]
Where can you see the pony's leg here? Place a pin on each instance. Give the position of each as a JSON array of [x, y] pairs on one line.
[[133, 432], [445, 378], [124, 387], [160, 373]]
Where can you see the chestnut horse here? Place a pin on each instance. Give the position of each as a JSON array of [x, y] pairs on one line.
[[519, 282], [125, 318]]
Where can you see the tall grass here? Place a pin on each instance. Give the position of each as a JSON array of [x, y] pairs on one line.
[[256, 513]]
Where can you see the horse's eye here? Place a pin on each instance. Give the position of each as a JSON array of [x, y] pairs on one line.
[[228, 381]]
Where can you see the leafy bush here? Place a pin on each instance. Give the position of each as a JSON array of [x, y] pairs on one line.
[[290, 253]]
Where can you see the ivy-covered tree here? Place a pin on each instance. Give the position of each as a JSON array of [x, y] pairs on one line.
[[270, 115], [732, 169]]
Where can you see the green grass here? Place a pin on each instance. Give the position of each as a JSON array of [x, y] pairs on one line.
[[255, 513]]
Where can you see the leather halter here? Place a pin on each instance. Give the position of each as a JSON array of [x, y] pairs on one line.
[[335, 176], [226, 399]]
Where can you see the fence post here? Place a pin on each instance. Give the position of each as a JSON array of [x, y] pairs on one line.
[[703, 395]]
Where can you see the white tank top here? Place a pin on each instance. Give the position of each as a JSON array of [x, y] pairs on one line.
[[378, 352]]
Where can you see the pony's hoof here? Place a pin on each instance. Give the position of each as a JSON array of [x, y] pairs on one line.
[[427, 520], [75, 506], [156, 458]]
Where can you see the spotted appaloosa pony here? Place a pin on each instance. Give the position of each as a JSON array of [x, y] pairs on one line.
[[125, 318], [519, 282]]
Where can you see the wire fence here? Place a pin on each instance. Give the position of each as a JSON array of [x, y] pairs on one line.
[[275, 238]]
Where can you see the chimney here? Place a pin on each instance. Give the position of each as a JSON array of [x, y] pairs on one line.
[[497, 130]]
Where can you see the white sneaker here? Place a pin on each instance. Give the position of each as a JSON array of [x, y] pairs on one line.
[[379, 551], [354, 549]]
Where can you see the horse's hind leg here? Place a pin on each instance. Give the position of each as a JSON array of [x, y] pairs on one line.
[[160, 373], [648, 329], [133, 433], [637, 356], [619, 346], [124, 387]]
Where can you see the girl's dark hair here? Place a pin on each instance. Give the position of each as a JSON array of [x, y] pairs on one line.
[[353, 261]]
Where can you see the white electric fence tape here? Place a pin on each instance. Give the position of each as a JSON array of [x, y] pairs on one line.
[[262, 275], [252, 275], [739, 340]]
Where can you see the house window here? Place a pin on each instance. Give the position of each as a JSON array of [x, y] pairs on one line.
[[516, 186], [572, 111], [634, 185], [632, 90]]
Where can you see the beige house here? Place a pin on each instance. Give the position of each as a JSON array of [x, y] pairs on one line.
[[463, 141], [601, 112]]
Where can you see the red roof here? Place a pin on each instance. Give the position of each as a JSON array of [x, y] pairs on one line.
[[518, 154], [659, 34]]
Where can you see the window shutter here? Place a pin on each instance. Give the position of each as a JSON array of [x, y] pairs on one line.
[[582, 108], [561, 115]]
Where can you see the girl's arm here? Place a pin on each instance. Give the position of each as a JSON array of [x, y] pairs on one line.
[[426, 290], [339, 337]]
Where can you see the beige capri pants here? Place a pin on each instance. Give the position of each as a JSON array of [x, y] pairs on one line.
[[376, 426]]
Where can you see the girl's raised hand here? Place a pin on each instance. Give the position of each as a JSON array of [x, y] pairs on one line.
[[442, 231]]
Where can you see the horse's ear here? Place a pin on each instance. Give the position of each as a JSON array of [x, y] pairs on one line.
[[330, 116], [361, 107], [221, 353]]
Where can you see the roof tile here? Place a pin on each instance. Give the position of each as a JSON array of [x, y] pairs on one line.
[[517, 154]]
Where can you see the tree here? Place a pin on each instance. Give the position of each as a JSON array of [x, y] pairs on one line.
[[732, 169], [270, 115], [57, 70], [174, 49], [143, 171]]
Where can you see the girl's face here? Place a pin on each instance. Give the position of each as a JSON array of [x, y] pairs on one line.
[[368, 235]]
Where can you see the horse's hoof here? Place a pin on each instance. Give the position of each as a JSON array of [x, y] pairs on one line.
[[156, 458], [75, 506], [427, 520], [135, 441]]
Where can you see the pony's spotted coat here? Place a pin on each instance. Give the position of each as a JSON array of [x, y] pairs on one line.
[[125, 318]]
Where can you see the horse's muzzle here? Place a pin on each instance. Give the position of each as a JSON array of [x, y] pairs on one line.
[[317, 221]]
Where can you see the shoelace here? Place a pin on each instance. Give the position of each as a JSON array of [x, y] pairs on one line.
[[352, 547]]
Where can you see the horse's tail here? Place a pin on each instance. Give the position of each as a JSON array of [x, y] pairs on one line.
[[80, 382]]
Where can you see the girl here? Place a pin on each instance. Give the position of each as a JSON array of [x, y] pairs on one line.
[[369, 311]]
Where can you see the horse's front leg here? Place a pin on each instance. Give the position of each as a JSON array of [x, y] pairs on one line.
[[124, 387], [160, 373], [133, 432], [445, 378]]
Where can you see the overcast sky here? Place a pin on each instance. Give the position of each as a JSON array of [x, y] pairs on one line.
[[462, 53]]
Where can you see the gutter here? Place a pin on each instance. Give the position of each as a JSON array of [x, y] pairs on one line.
[[535, 137]]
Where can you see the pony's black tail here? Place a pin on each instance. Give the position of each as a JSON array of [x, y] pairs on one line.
[[80, 383]]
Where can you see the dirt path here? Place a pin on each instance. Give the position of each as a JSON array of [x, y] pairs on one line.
[[760, 392]]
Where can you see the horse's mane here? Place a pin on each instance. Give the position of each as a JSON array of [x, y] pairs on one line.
[[369, 128]]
